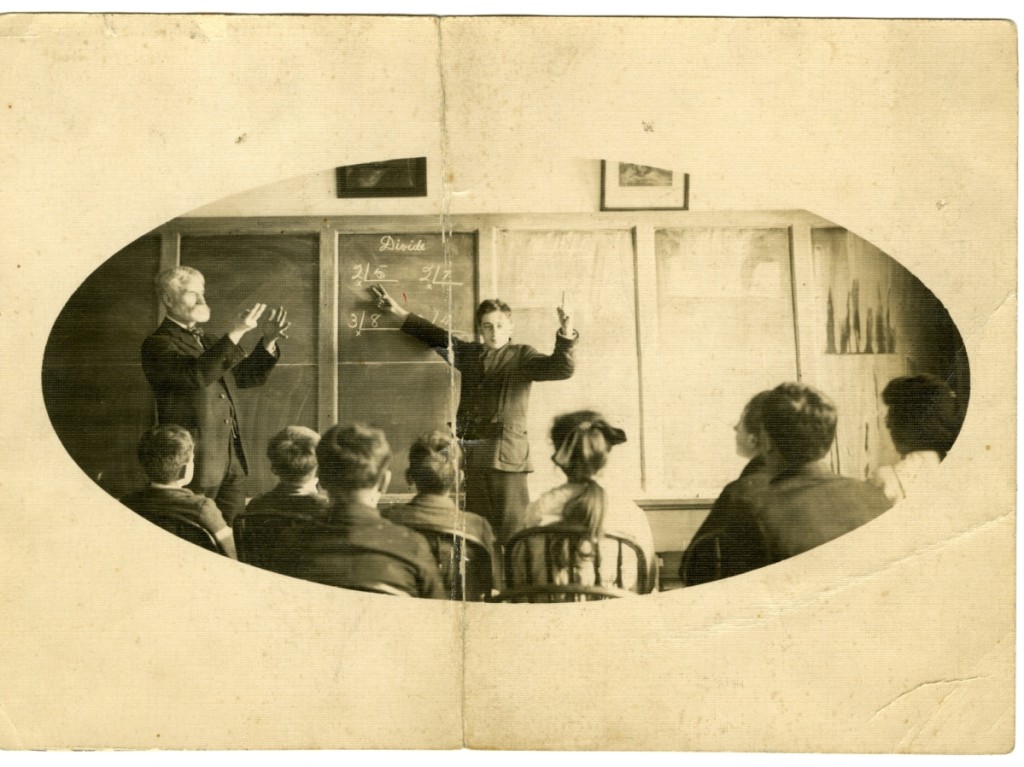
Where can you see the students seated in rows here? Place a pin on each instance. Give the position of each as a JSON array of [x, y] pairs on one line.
[[923, 421], [357, 548], [167, 455], [729, 542], [583, 441], [292, 454], [434, 470], [806, 504]]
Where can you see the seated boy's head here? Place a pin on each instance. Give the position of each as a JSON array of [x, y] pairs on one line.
[[353, 458], [923, 414], [799, 423], [493, 319], [167, 455], [292, 454], [434, 463]]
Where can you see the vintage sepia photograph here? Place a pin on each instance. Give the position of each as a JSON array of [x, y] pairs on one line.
[[390, 445], [509, 444]]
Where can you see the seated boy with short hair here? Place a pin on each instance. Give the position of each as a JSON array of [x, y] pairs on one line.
[[292, 454], [296, 498], [434, 460], [807, 504], [167, 455]]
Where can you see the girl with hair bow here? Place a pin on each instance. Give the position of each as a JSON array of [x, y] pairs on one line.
[[583, 441]]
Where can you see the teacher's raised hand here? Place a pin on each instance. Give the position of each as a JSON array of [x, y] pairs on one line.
[[247, 320], [275, 326]]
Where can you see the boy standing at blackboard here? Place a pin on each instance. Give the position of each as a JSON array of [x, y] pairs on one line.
[[495, 394]]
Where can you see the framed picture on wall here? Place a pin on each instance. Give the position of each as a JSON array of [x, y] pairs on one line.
[[629, 186], [388, 178]]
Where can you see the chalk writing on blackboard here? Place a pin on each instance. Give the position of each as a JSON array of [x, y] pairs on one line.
[[435, 274], [364, 273], [442, 320], [360, 321], [387, 242]]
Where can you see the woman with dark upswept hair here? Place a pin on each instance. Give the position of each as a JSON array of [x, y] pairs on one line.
[[583, 441]]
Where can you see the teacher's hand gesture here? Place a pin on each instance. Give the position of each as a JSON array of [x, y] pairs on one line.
[[246, 320], [276, 325], [387, 303]]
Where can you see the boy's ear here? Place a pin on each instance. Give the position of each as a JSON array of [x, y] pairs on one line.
[[384, 481], [188, 469], [763, 441]]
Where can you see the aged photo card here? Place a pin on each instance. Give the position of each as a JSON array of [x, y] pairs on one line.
[[508, 383]]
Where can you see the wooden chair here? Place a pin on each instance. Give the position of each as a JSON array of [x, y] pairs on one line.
[[533, 558], [256, 534], [568, 593], [723, 552], [380, 588], [463, 559], [187, 529]]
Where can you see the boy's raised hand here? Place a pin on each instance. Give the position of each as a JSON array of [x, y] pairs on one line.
[[386, 302], [565, 319]]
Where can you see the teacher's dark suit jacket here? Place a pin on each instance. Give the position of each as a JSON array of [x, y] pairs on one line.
[[196, 387], [495, 390]]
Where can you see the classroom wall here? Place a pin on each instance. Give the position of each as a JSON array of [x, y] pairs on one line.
[[864, 321], [519, 189]]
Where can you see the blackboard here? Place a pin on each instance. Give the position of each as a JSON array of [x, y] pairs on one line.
[[403, 400], [385, 377], [430, 275]]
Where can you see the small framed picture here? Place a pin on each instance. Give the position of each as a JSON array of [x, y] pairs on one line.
[[629, 186], [389, 178]]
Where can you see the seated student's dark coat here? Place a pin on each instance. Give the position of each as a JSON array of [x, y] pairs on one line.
[[396, 556], [283, 499], [259, 527], [809, 505], [729, 541], [152, 502], [441, 511]]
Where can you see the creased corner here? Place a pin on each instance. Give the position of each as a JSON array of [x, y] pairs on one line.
[[922, 685]]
